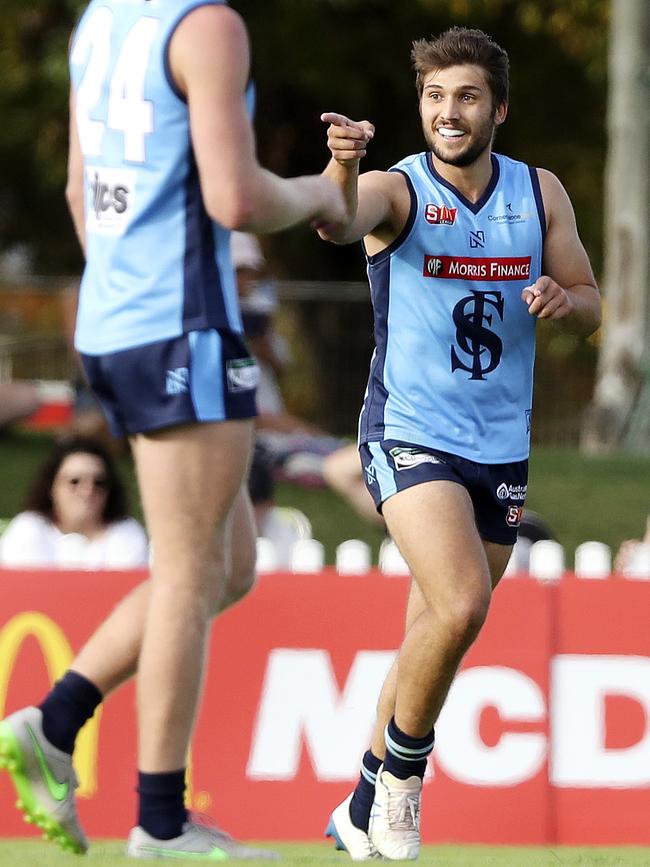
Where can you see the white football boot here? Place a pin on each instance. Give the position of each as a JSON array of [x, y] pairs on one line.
[[347, 837], [394, 827]]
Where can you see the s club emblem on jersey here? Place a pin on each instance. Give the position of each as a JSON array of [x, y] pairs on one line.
[[481, 346]]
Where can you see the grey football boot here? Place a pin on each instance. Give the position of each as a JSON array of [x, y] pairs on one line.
[[197, 842], [44, 779]]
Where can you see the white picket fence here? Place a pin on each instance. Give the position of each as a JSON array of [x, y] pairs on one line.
[[545, 560]]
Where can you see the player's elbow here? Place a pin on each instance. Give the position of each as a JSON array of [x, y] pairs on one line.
[[596, 321], [335, 235], [239, 217], [585, 319], [233, 208], [592, 313]]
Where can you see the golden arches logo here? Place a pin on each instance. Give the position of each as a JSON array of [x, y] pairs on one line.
[[57, 655]]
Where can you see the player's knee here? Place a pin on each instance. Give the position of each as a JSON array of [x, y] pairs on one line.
[[465, 615]]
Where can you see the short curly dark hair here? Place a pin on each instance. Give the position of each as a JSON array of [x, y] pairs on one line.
[[39, 494], [458, 46]]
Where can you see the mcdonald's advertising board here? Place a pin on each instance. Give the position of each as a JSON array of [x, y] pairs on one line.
[[545, 737]]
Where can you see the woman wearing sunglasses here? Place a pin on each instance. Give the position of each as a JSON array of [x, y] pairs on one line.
[[75, 516]]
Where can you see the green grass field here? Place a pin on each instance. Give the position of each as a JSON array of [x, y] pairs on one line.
[[582, 498], [109, 853]]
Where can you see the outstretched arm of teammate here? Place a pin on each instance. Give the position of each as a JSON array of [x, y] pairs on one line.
[[209, 61], [370, 198], [567, 292]]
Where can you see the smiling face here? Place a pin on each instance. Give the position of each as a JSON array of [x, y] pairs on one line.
[[458, 114], [79, 494]]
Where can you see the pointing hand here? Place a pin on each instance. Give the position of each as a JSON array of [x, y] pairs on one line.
[[347, 139]]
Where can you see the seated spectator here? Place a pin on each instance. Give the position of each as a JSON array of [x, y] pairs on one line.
[[633, 556], [282, 525], [18, 400], [343, 473], [75, 516], [297, 447]]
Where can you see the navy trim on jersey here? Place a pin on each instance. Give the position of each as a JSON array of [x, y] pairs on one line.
[[394, 244], [200, 264], [539, 201], [166, 66], [474, 207], [373, 409]]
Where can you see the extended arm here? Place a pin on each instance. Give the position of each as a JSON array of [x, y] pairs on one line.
[[376, 202], [567, 293], [209, 59]]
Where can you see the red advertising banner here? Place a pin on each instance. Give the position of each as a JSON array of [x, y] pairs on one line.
[[544, 738]]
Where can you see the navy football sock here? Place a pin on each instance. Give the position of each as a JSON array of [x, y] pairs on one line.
[[406, 756], [70, 703], [162, 811], [364, 794]]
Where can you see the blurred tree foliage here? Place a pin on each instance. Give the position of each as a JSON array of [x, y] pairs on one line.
[[34, 134], [311, 56]]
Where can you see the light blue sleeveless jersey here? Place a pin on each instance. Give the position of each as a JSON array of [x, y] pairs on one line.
[[455, 344], [157, 265]]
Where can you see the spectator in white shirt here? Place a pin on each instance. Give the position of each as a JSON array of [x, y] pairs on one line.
[[633, 557], [75, 516]]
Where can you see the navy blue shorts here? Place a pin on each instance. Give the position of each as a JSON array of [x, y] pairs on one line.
[[498, 491], [201, 376]]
